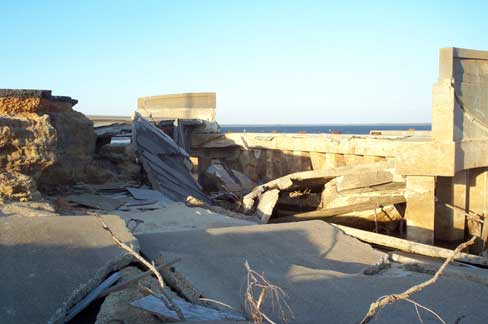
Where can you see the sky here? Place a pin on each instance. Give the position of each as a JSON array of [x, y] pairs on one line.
[[270, 62]]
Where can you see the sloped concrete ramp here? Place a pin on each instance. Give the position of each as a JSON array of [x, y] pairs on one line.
[[319, 268], [49, 263]]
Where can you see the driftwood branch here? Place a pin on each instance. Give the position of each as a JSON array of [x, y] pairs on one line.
[[136, 278], [389, 299], [252, 306], [149, 265]]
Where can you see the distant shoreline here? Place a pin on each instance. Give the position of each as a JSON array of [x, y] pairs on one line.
[[321, 125], [321, 128]]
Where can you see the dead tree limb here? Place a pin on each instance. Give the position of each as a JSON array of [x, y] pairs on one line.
[[149, 265], [252, 307], [389, 299]]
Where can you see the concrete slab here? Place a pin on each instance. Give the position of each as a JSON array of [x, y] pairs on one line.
[[178, 217], [50, 263], [318, 267]]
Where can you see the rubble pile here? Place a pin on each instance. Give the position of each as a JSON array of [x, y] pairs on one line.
[[367, 196]]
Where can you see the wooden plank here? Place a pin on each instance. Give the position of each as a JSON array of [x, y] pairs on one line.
[[329, 212], [409, 246], [82, 304]]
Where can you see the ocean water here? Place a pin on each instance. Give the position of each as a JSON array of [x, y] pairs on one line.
[[315, 129]]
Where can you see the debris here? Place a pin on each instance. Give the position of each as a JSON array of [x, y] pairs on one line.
[[50, 263], [194, 202], [134, 203], [165, 298], [217, 177], [387, 220], [190, 311], [178, 217], [266, 204], [123, 161], [96, 201], [133, 280], [307, 179], [389, 299], [252, 306], [336, 211], [166, 164], [374, 196], [116, 305], [429, 265], [410, 246], [82, 304], [149, 194]]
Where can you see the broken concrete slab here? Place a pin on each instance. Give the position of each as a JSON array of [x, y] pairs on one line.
[[266, 204], [322, 273], [51, 263], [149, 194], [218, 177], [178, 217], [374, 196], [315, 245], [309, 179], [96, 201]]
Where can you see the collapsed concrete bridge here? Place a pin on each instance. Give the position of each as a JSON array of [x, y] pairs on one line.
[[446, 169]]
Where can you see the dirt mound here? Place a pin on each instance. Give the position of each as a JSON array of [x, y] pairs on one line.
[[43, 143]]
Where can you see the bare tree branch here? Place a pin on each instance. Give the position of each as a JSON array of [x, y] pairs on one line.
[[149, 265], [253, 307], [389, 299]]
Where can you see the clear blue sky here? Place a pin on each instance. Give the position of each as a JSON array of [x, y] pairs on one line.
[[268, 61]]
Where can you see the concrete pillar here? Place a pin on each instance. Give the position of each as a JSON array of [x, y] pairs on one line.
[[318, 160], [334, 160], [353, 159], [450, 222], [420, 212], [478, 204]]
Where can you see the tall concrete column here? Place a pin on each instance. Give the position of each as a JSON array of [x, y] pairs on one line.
[[420, 212], [452, 196]]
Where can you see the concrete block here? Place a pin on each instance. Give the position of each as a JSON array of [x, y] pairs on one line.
[[196, 105]]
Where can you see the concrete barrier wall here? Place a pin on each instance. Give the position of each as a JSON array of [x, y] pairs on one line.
[[197, 105]]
